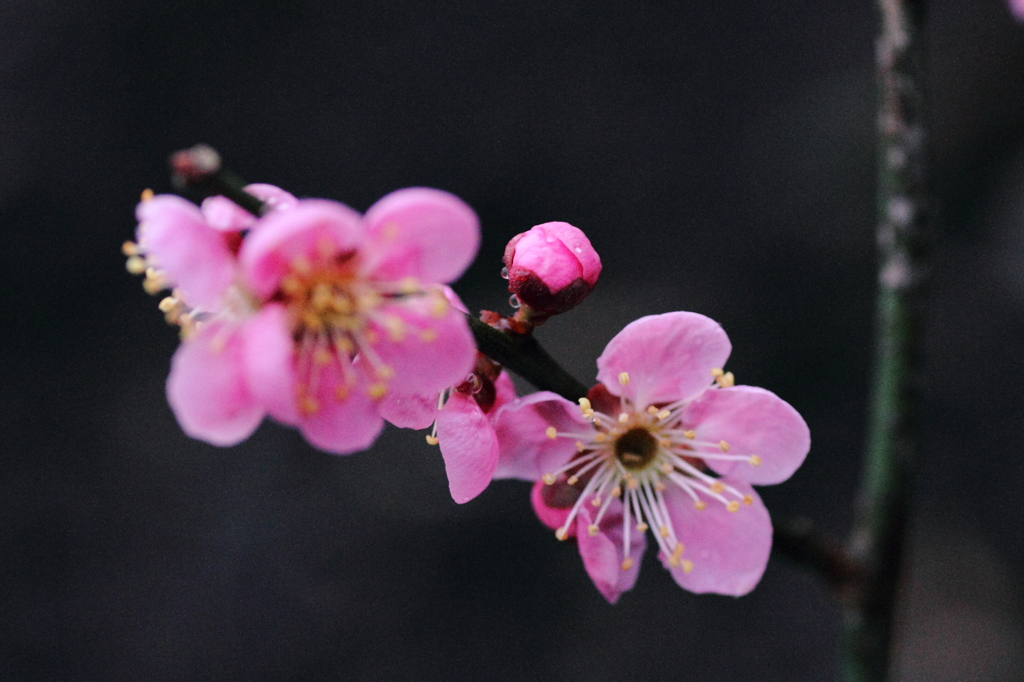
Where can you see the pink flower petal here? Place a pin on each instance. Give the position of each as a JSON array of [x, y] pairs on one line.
[[207, 387], [542, 496], [341, 425], [223, 214], [313, 232], [602, 553], [526, 452], [425, 341], [728, 550], [666, 357], [422, 233], [468, 445], [193, 256], [270, 362], [752, 421], [408, 411]]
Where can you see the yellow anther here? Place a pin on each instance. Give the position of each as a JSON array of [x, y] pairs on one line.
[[632, 484], [663, 531], [308, 405], [677, 553], [409, 285], [600, 437], [755, 461], [623, 378], [651, 409], [690, 434], [130, 248], [666, 468], [432, 440], [384, 371], [135, 265], [748, 499], [344, 345], [439, 306], [584, 404], [687, 565], [723, 446], [551, 432], [664, 414], [592, 530], [377, 390], [153, 285], [659, 486], [617, 491], [627, 564], [700, 505], [727, 380], [623, 417], [573, 480], [579, 446], [717, 487], [641, 527], [396, 328], [596, 502], [146, 195], [168, 304], [562, 533], [548, 479], [341, 392], [733, 506], [716, 372]]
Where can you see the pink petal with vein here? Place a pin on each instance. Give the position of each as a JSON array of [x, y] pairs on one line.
[[752, 421], [527, 452], [729, 550], [313, 232], [194, 257], [207, 387], [667, 357], [423, 233], [468, 445], [427, 351], [341, 425], [602, 553], [270, 362]]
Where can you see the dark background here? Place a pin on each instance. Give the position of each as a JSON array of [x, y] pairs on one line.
[[719, 155]]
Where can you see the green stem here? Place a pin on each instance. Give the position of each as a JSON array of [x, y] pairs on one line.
[[904, 240]]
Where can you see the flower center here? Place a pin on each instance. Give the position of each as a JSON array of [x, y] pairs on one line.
[[636, 448]]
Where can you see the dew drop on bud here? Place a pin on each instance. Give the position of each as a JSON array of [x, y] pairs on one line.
[[577, 248], [513, 301], [504, 273]]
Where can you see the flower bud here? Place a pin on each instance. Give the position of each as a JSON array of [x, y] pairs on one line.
[[551, 269]]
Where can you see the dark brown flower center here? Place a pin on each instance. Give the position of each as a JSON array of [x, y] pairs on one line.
[[636, 448]]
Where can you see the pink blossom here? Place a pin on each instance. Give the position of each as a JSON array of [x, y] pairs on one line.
[[551, 268], [341, 310], [659, 446]]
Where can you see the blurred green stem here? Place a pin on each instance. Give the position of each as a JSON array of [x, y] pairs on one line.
[[879, 535]]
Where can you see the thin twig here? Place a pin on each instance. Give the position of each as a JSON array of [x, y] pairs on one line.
[[904, 241]]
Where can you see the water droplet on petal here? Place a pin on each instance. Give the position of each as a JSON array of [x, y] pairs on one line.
[[577, 247], [513, 301], [504, 273]]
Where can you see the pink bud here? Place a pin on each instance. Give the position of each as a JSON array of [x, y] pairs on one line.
[[551, 268]]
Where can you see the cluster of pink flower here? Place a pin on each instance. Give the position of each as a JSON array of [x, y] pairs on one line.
[[335, 322]]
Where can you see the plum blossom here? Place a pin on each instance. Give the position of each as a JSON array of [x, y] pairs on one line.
[[550, 269], [666, 442], [331, 311]]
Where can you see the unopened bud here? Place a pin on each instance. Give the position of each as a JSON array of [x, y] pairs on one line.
[[551, 268]]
